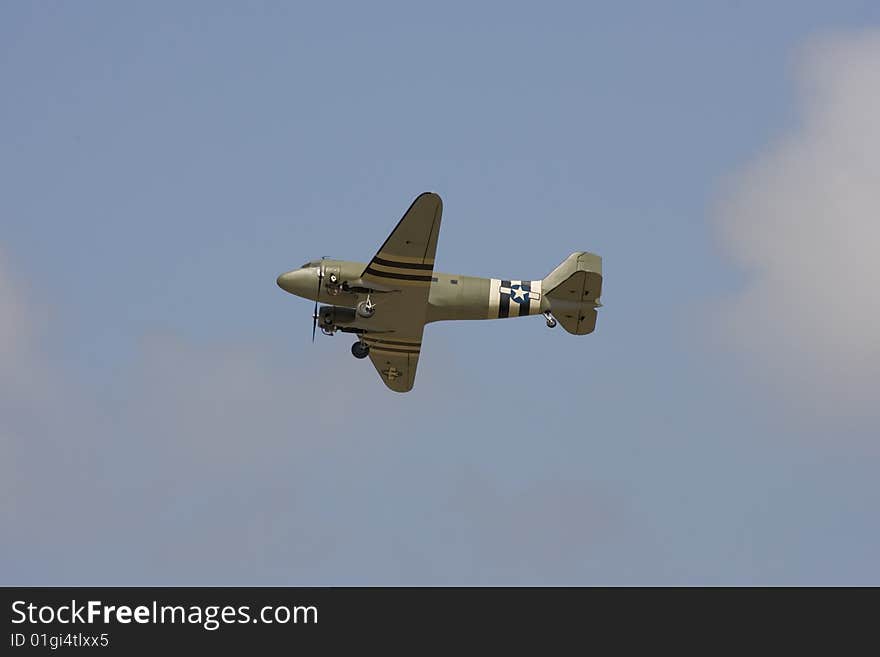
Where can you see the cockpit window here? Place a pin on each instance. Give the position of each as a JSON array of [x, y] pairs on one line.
[[311, 263]]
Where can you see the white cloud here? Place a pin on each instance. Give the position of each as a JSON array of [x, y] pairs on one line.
[[803, 221]]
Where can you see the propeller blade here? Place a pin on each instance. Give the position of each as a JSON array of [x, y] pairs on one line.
[[317, 294], [314, 321]]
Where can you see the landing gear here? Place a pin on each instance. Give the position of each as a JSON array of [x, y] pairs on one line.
[[366, 308], [360, 350], [551, 320]]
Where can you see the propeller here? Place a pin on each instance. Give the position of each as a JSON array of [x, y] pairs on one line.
[[317, 294]]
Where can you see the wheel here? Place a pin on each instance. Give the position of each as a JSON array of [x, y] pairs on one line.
[[360, 350], [551, 323], [365, 311]]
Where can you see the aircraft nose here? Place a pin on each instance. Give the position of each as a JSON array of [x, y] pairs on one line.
[[286, 281], [295, 282]]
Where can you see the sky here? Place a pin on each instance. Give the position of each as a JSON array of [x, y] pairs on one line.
[[166, 420]]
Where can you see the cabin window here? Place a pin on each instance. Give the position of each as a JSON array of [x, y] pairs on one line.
[[454, 281]]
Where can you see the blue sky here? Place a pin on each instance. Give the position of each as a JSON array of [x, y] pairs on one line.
[[165, 419]]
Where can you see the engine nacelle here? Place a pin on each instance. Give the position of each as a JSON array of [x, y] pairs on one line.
[[335, 315]]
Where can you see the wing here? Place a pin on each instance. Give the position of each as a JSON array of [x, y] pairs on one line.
[[402, 269], [406, 259], [395, 360]]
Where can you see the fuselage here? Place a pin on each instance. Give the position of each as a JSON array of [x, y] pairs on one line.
[[451, 296]]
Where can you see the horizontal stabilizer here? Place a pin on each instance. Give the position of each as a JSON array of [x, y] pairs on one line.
[[573, 290]]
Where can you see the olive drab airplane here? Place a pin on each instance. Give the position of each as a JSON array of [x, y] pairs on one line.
[[387, 302]]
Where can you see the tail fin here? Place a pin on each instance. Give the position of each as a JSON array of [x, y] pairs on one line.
[[572, 291]]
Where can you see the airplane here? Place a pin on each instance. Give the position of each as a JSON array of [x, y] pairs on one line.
[[387, 301]]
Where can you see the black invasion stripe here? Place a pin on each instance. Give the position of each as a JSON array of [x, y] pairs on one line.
[[403, 265], [397, 342], [504, 303], [379, 347], [403, 277]]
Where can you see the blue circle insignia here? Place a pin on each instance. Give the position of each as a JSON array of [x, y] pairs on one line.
[[518, 294]]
